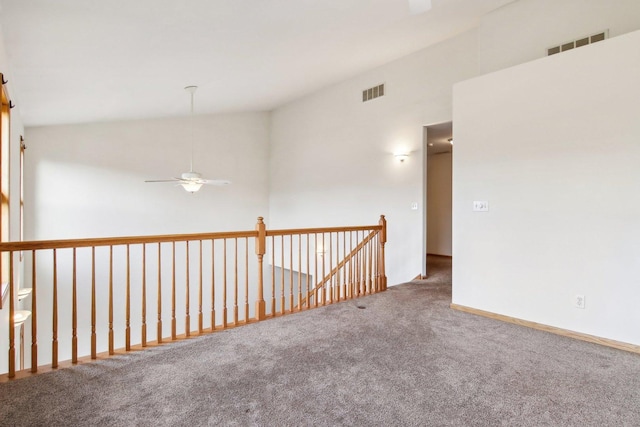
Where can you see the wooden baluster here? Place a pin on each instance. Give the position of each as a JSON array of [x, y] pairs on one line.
[[235, 282], [299, 272], [370, 271], [374, 280], [261, 245], [273, 276], [34, 315], [200, 315], [323, 289], [337, 282], [290, 273], [74, 313], [159, 292], [331, 279], [127, 305], [376, 260], [246, 279], [143, 330], [360, 258], [315, 274], [351, 265], [54, 320], [213, 285], [224, 286], [383, 240], [338, 275], [308, 273], [282, 299], [344, 267], [187, 317], [338, 269], [173, 290], [94, 351], [12, 332], [111, 345], [364, 267], [359, 264], [22, 347], [357, 267]]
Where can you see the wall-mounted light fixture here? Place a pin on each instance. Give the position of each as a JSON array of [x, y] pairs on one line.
[[401, 157]]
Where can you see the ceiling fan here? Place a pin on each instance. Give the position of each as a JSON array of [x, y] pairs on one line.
[[192, 181]]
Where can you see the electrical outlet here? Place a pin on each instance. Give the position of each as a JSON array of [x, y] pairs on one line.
[[579, 301], [414, 206]]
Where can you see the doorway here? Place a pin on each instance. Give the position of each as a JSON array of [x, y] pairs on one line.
[[438, 141]]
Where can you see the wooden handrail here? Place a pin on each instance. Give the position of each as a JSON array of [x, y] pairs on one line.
[[117, 241], [296, 231], [132, 240]]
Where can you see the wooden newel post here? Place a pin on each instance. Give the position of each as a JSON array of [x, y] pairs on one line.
[[261, 244], [383, 240]]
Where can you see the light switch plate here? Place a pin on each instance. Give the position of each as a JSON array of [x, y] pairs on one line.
[[480, 206]]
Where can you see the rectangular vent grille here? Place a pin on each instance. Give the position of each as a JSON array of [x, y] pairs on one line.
[[578, 43], [372, 93]]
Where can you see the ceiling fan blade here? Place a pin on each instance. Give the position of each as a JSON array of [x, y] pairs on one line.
[[417, 7], [220, 182], [162, 180]]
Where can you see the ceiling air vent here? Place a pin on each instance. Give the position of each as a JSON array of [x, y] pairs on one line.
[[372, 93], [578, 43]]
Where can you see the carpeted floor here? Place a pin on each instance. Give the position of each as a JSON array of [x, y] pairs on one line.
[[401, 357]]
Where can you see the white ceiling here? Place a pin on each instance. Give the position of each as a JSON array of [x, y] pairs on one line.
[[75, 61]]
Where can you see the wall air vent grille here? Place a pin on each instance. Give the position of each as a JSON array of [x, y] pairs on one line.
[[578, 43], [372, 93]]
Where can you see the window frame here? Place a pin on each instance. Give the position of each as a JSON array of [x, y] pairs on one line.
[[5, 137]]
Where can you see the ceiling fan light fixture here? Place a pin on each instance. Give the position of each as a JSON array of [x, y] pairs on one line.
[[192, 181], [191, 187]]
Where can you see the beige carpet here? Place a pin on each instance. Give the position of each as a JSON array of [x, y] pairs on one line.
[[401, 357]]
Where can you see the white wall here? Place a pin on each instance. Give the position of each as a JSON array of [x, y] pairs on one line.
[[332, 155], [523, 30], [553, 146], [439, 208], [88, 180], [330, 160]]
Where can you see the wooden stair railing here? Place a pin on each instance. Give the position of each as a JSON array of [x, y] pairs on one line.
[[379, 285], [91, 298]]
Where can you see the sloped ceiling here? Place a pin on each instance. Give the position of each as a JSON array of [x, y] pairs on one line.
[[74, 61]]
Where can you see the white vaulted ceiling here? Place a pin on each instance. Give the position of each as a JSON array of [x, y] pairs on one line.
[[74, 61]]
